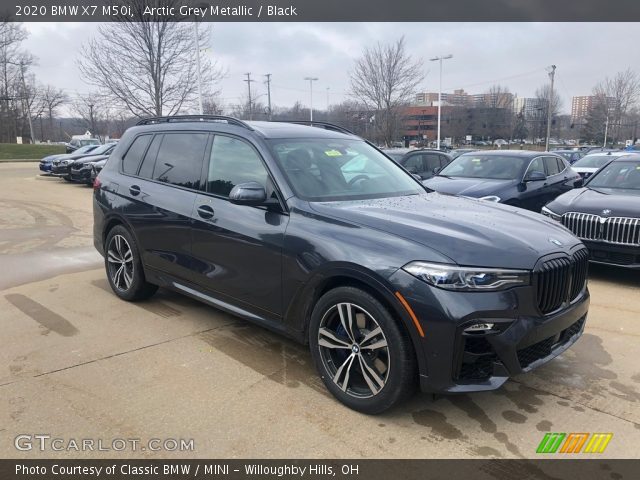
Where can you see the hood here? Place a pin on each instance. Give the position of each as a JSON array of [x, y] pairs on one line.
[[91, 158], [470, 232], [51, 158], [622, 203], [470, 187]]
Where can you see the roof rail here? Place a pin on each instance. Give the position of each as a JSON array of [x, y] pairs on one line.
[[325, 125], [195, 118]]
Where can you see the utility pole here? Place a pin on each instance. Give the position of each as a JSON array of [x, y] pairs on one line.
[[440, 59], [26, 102], [311, 80], [606, 130], [328, 88], [248, 80], [268, 82], [552, 75], [197, 43], [91, 121]]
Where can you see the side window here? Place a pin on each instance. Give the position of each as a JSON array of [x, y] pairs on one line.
[[233, 162], [537, 165], [551, 165], [444, 161], [179, 160], [562, 165], [431, 161], [414, 163], [132, 158], [149, 161]]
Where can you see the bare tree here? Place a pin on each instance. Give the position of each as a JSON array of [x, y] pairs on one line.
[[11, 104], [147, 66], [52, 98], [384, 79], [545, 101], [617, 96]]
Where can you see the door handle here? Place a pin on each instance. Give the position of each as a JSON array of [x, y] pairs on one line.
[[134, 190], [205, 211]]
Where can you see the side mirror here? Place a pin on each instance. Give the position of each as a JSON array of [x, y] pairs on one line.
[[437, 170], [249, 193], [417, 177], [412, 170], [535, 176]]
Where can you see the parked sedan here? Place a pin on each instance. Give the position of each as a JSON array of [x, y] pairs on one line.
[[605, 214], [81, 169], [46, 163], [572, 156], [62, 167], [590, 164], [521, 178]]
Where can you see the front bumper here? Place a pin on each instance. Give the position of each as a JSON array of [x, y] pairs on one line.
[[82, 175], [44, 167], [60, 170], [627, 256], [522, 338]]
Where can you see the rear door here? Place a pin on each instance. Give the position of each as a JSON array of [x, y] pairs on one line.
[[555, 169], [162, 191], [237, 249]]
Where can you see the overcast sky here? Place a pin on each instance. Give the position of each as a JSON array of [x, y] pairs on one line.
[[515, 55]]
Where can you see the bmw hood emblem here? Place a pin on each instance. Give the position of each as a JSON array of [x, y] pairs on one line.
[[606, 211], [555, 242]]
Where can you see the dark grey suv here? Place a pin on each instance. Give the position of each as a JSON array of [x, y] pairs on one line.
[[314, 233]]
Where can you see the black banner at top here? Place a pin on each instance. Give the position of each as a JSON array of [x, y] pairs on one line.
[[322, 10]]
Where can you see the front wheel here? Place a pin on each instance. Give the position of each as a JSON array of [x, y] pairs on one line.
[[362, 353], [124, 267]]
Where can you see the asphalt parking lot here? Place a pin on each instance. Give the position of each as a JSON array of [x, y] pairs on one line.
[[76, 362]]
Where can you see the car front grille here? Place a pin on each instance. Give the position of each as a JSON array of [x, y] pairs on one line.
[[616, 230], [560, 280]]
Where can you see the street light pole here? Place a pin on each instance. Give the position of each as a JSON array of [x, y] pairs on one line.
[[197, 43], [440, 59], [552, 74], [311, 80]]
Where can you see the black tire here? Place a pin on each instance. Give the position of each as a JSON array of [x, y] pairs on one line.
[[68, 179], [130, 284], [394, 363]]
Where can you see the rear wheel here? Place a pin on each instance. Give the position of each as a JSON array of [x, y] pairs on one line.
[[364, 356], [124, 267]]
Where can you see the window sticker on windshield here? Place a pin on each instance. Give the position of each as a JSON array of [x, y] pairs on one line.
[[332, 153], [476, 160]]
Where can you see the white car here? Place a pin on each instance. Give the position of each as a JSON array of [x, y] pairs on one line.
[[590, 164]]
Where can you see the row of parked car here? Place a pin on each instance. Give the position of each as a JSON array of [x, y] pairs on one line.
[[595, 194], [82, 165]]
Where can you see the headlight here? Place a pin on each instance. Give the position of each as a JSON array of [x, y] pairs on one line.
[[453, 277], [491, 198], [552, 215]]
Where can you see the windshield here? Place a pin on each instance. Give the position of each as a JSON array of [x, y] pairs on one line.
[[335, 169], [474, 165], [618, 175], [593, 161], [103, 149], [86, 149]]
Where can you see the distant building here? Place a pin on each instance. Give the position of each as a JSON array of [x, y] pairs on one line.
[[528, 108], [420, 123], [459, 98], [581, 105]]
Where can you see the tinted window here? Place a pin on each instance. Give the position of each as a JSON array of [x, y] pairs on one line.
[[233, 162], [479, 165], [618, 175], [551, 166], [536, 166], [431, 161], [179, 160], [414, 163], [133, 156], [149, 162]]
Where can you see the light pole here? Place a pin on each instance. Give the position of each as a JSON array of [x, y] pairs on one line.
[[197, 43], [311, 80], [440, 59], [552, 74]]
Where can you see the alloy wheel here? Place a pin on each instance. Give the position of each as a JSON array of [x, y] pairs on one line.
[[354, 350], [120, 263]]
